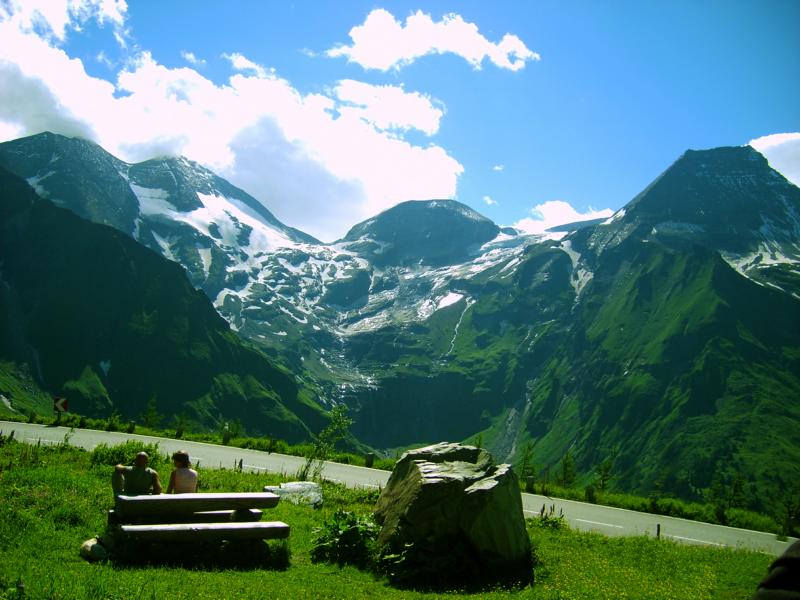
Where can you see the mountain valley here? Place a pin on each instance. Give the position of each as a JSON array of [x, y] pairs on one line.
[[666, 337]]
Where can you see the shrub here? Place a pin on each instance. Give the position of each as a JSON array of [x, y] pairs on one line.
[[123, 454], [334, 432], [112, 424], [590, 494], [346, 539], [548, 519]]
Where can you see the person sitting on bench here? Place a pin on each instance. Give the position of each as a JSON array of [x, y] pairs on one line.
[[137, 480], [183, 479]]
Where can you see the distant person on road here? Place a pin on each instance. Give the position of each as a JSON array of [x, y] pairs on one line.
[[183, 479], [137, 480]]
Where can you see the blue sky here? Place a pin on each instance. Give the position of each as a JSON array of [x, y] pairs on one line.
[[595, 101]]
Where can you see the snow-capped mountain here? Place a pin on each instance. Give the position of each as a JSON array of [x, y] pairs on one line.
[[91, 315], [656, 336], [726, 199], [218, 232]]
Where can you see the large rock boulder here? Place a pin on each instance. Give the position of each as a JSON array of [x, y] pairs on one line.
[[450, 498]]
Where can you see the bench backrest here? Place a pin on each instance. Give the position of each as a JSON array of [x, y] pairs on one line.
[[185, 504]]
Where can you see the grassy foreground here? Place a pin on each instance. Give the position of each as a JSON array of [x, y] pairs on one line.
[[54, 498]]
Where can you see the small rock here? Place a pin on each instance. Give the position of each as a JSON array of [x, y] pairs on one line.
[[298, 492], [93, 551]]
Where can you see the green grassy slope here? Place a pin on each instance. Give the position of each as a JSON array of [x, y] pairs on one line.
[[682, 370], [109, 324]]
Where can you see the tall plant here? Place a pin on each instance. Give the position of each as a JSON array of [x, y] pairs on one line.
[[326, 441]]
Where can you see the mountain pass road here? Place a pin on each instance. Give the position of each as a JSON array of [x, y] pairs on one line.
[[580, 515]]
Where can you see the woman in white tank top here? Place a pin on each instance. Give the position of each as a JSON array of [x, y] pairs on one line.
[[183, 479]]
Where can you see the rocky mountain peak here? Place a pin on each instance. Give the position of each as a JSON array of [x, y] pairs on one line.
[[724, 182], [726, 199], [431, 232]]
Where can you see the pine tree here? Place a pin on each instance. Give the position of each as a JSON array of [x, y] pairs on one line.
[[605, 473], [567, 475]]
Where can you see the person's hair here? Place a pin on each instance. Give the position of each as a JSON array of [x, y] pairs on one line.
[[182, 458]]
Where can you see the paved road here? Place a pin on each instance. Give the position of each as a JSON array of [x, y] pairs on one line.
[[580, 515]]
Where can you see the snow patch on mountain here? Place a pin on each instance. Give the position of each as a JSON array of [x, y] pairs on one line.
[[764, 256], [35, 182], [166, 248], [228, 222], [615, 217], [153, 201], [205, 258], [580, 275], [448, 300]]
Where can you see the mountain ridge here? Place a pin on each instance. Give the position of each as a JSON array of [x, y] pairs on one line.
[[103, 320], [627, 338]]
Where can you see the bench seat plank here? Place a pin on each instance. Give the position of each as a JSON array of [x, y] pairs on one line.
[[182, 504], [209, 516], [191, 532]]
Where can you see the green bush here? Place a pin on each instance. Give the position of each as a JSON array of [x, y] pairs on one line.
[[123, 454], [346, 539], [548, 519], [590, 494], [112, 424]]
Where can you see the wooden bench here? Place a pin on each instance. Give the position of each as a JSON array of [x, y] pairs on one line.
[[196, 517]]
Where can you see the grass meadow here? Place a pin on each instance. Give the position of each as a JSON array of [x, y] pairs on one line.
[[52, 498]]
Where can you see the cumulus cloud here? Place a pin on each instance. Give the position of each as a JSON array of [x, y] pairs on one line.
[[244, 65], [382, 42], [52, 18], [389, 106], [498, 168], [489, 201], [320, 162], [782, 150], [36, 107], [556, 212], [192, 59]]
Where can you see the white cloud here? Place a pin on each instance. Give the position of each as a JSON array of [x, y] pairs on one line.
[[52, 18], [10, 131], [244, 65], [556, 212], [489, 201], [782, 150], [498, 168], [192, 59], [320, 164], [389, 107], [382, 42], [103, 59]]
